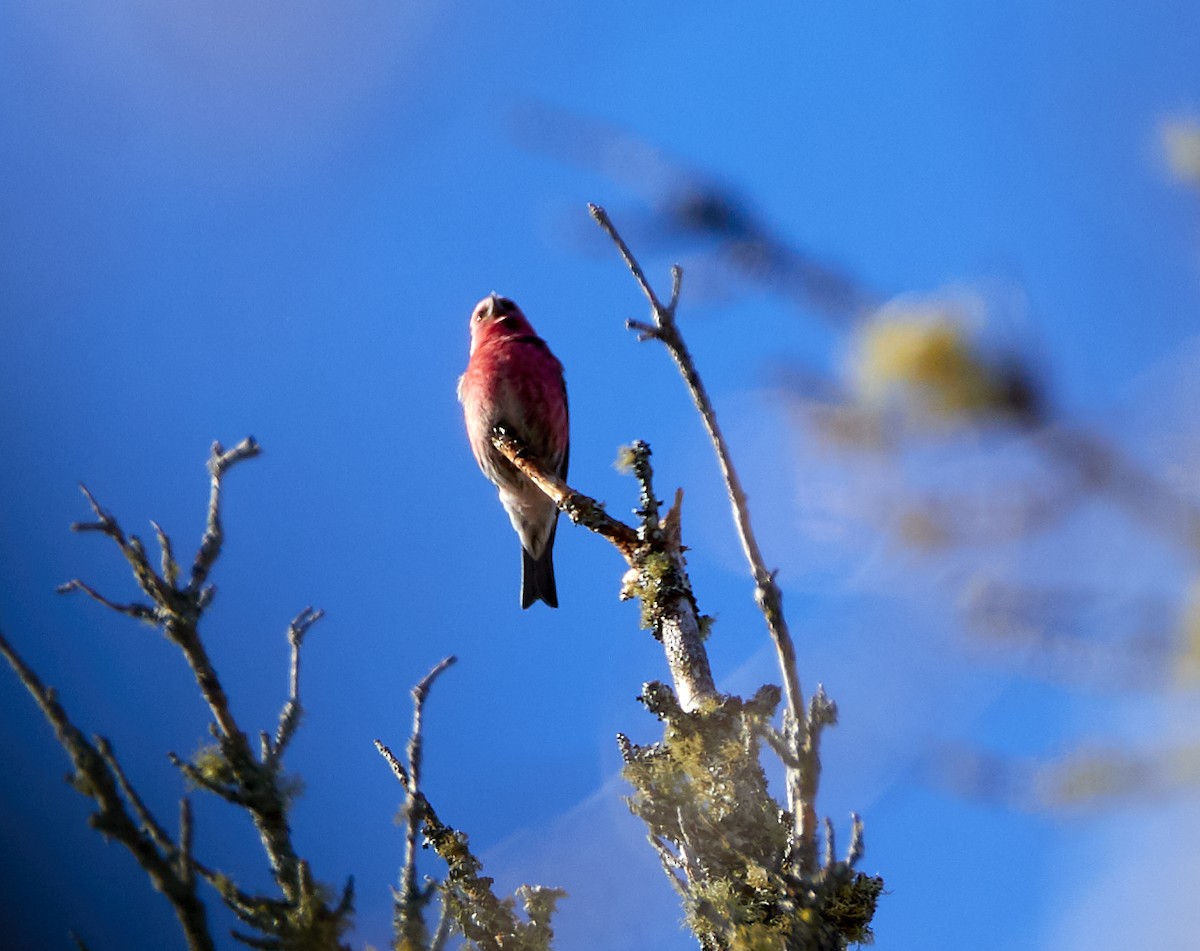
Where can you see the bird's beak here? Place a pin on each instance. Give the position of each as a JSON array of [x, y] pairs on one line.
[[493, 297]]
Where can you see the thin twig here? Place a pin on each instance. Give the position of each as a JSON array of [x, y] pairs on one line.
[[409, 916], [397, 767], [139, 612], [441, 933], [169, 566], [104, 520], [409, 900], [149, 824], [289, 717], [135, 554], [210, 545]]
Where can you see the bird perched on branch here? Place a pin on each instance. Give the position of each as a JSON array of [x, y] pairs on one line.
[[514, 383]]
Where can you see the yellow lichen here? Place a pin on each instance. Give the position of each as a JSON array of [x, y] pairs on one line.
[[1181, 143], [626, 456], [921, 358]]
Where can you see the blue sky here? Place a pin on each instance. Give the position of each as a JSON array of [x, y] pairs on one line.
[[275, 220]]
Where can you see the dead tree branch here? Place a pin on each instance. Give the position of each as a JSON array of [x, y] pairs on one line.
[[229, 769], [803, 781], [98, 776], [468, 902]]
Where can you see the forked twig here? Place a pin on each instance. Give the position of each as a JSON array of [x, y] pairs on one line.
[[231, 769], [410, 901]]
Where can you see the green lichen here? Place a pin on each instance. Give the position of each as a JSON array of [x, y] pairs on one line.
[[702, 790], [212, 765], [627, 458]]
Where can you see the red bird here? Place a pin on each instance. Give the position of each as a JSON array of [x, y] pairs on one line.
[[514, 382]]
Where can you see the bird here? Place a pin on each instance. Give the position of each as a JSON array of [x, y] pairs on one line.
[[514, 384]]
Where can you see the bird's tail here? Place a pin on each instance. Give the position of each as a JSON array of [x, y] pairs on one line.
[[537, 576]]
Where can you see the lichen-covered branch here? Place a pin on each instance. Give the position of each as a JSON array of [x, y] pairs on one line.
[[660, 581], [468, 901], [657, 575], [411, 932], [751, 873], [802, 779], [579, 508]]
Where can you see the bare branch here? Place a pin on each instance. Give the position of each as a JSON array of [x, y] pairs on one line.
[[135, 554], [169, 566], [289, 717], [96, 778], [410, 922], [139, 612], [186, 832], [397, 767], [220, 461], [149, 824]]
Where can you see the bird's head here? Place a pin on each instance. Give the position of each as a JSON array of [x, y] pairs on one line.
[[497, 316]]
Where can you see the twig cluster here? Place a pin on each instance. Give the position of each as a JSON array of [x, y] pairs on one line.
[[467, 900], [300, 917]]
